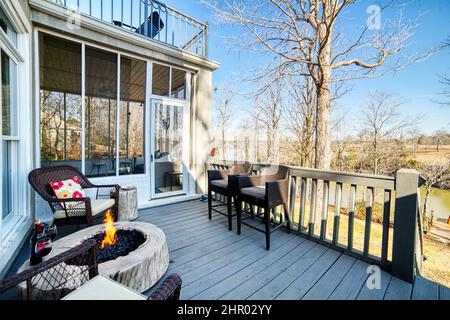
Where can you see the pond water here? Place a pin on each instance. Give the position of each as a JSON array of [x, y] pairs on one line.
[[439, 202]]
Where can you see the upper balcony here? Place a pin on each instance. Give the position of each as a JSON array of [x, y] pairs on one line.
[[149, 18]]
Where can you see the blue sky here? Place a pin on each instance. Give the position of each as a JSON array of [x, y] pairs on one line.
[[418, 84]]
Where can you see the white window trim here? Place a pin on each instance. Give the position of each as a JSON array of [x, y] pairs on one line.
[[14, 227]]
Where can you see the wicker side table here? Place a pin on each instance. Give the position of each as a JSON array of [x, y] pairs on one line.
[[128, 205]]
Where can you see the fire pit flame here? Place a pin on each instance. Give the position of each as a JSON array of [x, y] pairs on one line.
[[110, 231]]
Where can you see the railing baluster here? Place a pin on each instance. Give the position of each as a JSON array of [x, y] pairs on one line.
[[101, 9], [323, 222], [112, 11], [159, 23], [351, 215], [167, 27], [173, 28], [369, 206], [337, 211], [121, 12], [131, 16], [90, 7], [386, 221], [302, 204], [292, 196], [312, 214]]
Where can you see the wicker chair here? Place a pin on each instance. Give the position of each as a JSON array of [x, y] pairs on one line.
[[81, 210], [169, 290], [58, 276], [267, 190], [224, 182]]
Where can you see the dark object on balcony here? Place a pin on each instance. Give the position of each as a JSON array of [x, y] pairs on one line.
[[57, 273], [224, 182], [267, 191], [74, 211], [169, 290], [154, 25]]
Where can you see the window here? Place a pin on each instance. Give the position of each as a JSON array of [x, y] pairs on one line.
[[101, 113], [160, 81], [178, 88], [9, 131], [7, 27], [60, 98], [165, 77], [132, 118], [62, 136]]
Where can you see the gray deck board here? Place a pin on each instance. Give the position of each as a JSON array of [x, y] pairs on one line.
[[398, 290], [330, 280], [300, 286], [424, 289], [444, 293], [215, 263]]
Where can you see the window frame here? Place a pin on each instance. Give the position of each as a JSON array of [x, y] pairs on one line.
[[119, 54], [18, 212]]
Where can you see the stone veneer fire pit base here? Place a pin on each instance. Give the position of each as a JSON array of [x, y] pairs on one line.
[[140, 269]]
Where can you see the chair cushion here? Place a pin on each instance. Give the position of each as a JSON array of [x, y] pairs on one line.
[[102, 288], [220, 183], [69, 188], [97, 205], [257, 192]]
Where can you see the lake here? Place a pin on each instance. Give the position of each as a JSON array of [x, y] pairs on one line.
[[439, 202]]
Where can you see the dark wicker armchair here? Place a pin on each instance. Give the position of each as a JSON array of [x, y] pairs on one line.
[[58, 276], [266, 190], [224, 182], [81, 210], [169, 290]]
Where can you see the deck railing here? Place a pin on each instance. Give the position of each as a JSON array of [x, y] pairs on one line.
[[164, 23], [375, 218]]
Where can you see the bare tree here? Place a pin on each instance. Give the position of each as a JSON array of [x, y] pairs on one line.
[[307, 35], [433, 173], [300, 119], [438, 137], [445, 81], [222, 102], [267, 113], [381, 120]]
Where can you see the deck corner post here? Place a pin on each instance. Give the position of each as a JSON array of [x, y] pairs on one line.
[[405, 224]]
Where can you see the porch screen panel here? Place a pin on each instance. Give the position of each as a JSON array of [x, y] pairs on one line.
[[100, 113], [60, 101], [178, 85], [131, 128], [160, 80]]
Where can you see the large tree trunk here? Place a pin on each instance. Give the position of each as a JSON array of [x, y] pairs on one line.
[[323, 147]]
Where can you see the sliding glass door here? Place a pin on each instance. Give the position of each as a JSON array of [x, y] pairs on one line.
[[169, 132]]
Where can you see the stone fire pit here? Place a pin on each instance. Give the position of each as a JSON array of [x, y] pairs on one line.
[[140, 269]]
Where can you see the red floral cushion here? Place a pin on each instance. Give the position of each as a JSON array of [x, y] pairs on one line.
[[67, 189]]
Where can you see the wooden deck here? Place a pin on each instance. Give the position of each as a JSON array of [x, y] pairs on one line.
[[215, 263]]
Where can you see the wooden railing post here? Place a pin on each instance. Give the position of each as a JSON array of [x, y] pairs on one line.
[[405, 224]]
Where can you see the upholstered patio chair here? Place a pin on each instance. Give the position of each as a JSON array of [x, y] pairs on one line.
[[267, 190], [85, 210], [224, 182]]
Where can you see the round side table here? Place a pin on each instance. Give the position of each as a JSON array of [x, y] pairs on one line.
[[128, 206]]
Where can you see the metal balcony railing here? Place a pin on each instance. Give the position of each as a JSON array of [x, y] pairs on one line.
[[149, 18]]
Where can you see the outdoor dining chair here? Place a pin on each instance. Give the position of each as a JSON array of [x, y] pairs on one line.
[[267, 190], [223, 182]]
